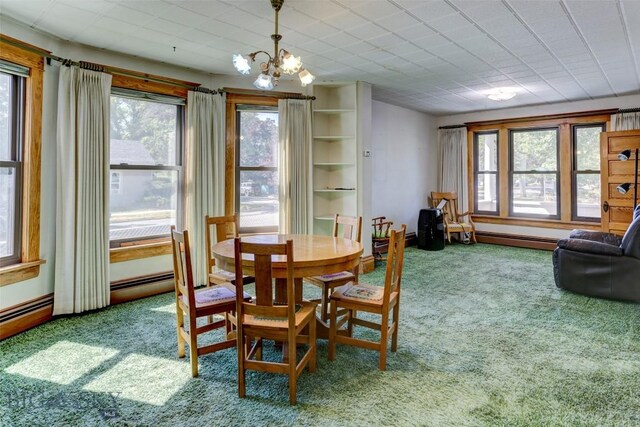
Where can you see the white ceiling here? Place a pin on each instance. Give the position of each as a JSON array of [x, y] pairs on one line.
[[439, 56]]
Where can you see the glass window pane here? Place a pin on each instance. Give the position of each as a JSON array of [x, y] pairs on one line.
[[5, 117], [588, 195], [534, 194], [145, 204], [486, 192], [143, 132], [535, 150], [487, 152], [259, 199], [588, 148], [259, 138], [7, 211]]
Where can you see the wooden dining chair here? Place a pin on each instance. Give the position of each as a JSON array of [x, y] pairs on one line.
[[380, 237], [352, 230], [261, 319], [453, 220], [372, 299], [205, 302], [225, 227]]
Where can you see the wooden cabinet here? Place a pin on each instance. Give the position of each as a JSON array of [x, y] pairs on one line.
[[335, 154]]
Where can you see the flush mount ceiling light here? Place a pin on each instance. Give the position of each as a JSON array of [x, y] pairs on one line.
[[501, 93], [281, 61]]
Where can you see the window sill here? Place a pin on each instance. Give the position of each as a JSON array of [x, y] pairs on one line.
[[20, 272], [542, 223], [140, 251]]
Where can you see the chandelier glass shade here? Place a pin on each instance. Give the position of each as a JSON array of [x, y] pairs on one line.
[[282, 61]]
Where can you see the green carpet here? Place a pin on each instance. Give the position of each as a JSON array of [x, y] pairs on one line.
[[485, 339]]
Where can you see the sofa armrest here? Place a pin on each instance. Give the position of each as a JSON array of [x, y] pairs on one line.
[[590, 246], [596, 236]]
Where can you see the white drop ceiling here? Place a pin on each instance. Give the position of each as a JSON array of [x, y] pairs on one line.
[[439, 57]]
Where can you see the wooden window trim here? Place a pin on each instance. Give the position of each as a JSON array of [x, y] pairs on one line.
[[476, 172], [575, 171], [234, 99], [31, 57], [565, 123], [135, 80]]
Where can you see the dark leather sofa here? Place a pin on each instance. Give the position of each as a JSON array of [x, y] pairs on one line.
[[600, 264]]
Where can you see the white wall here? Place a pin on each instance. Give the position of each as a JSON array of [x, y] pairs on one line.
[[628, 101], [404, 152], [17, 293]]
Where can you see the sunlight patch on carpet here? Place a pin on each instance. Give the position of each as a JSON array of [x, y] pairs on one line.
[[144, 379], [169, 308], [62, 363]]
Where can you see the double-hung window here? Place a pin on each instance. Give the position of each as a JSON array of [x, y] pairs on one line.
[[12, 83], [257, 168], [485, 154], [585, 141], [146, 166], [534, 176]]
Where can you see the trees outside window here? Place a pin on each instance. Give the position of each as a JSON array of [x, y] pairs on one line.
[[257, 169], [586, 171], [146, 155]]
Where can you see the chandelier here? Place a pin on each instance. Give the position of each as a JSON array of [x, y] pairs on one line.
[[281, 61]]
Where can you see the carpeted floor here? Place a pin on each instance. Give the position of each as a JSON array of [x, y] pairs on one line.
[[485, 339]]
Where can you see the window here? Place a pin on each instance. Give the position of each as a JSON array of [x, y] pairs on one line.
[[485, 153], [146, 165], [11, 133], [257, 168], [586, 171], [534, 185]]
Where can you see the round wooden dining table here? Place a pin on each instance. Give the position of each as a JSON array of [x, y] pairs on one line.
[[312, 256]]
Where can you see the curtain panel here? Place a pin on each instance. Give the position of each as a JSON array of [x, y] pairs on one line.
[[82, 211], [625, 121], [295, 130], [205, 154], [453, 163]]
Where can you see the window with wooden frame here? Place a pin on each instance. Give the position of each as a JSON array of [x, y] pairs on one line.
[[146, 166], [585, 200], [21, 77], [534, 184], [251, 175], [546, 170], [485, 155]]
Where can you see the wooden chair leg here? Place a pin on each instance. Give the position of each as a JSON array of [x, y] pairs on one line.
[[259, 349], [292, 367], [396, 321], [180, 326], [352, 315], [384, 336], [332, 331], [312, 345], [324, 303], [193, 347], [240, 344]]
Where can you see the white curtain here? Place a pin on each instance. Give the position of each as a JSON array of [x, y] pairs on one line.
[[82, 230], [295, 130], [205, 171], [625, 121], [453, 163]]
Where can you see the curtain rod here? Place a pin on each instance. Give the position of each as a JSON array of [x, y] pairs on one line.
[[628, 110], [452, 127], [280, 95]]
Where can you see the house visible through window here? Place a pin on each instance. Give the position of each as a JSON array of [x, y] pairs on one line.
[[586, 171], [11, 131], [146, 165], [257, 168], [534, 175]]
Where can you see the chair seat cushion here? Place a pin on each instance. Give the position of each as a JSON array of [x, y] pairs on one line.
[[343, 275], [360, 291], [463, 226], [216, 295], [304, 310]]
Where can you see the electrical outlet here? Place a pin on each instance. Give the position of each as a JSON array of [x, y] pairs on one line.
[[366, 153]]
